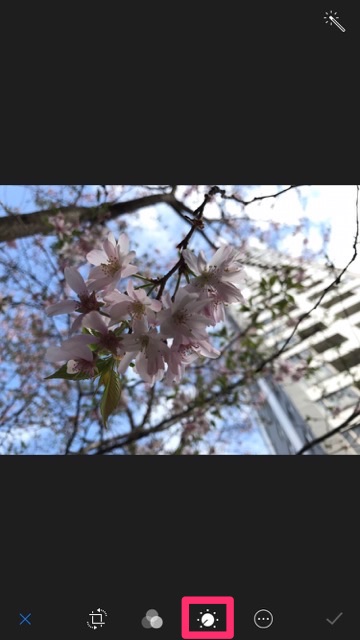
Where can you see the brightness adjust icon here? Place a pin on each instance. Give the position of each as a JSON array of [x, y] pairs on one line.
[[208, 619], [330, 18]]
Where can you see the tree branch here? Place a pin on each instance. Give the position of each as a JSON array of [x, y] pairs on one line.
[[257, 198], [330, 433], [24, 225], [76, 420]]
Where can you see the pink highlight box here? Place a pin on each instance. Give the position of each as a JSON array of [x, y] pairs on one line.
[[186, 601]]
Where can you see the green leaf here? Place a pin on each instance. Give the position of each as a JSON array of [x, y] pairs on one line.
[[62, 373], [56, 246], [111, 395], [281, 304], [104, 365], [119, 330], [273, 279]]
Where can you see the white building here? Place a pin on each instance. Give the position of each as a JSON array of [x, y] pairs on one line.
[[297, 412]]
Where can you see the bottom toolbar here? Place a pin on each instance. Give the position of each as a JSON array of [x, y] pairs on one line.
[[188, 617]]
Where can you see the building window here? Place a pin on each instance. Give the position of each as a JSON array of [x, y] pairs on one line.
[[334, 341], [345, 362], [274, 330], [317, 294], [352, 436], [317, 371], [349, 311], [294, 340], [306, 333], [314, 284], [303, 355], [339, 298], [340, 399], [323, 372]]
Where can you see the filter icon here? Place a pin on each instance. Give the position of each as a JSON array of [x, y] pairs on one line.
[[152, 620]]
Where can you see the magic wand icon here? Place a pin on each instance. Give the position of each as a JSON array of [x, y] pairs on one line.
[[330, 19]]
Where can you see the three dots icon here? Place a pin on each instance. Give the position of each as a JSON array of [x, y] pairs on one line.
[[263, 618]]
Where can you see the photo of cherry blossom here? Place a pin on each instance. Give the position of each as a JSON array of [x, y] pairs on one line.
[[179, 320]]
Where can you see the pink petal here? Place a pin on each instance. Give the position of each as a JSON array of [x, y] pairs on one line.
[[75, 280], [202, 264], [141, 365], [130, 289], [71, 343], [81, 351], [220, 256], [206, 349], [72, 366], [131, 344], [139, 295], [115, 296], [119, 311], [191, 260], [128, 357], [96, 273], [111, 238], [101, 283], [77, 323], [109, 248], [129, 271], [124, 243], [155, 305], [96, 256], [65, 306], [93, 320], [55, 354]]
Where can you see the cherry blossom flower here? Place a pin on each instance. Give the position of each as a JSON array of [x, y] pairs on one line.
[[181, 355], [150, 349], [182, 319], [76, 352], [215, 308], [220, 275], [62, 228], [87, 299], [113, 262], [135, 304], [177, 359], [107, 340], [81, 366], [194, 430]]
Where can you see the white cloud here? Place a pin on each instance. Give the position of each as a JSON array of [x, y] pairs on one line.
[[294, 245], [332, 205]]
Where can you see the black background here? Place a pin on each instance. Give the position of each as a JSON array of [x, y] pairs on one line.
[[126, 534], [245, 95]]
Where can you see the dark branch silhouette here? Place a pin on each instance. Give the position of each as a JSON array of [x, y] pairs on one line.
[[16, 226]]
